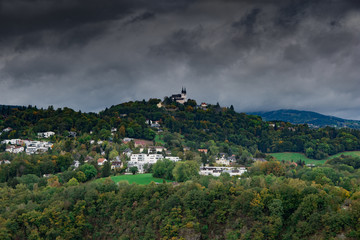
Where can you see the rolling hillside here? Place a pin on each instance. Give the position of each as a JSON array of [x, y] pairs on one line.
[[313, 119]]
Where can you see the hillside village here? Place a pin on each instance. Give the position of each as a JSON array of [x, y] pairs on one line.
[[147, 156], [168, 143]]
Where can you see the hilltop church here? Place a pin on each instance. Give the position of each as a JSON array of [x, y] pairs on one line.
[[180, 98]]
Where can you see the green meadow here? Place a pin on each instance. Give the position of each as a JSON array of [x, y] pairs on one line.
[[292, 156], [141, 179]]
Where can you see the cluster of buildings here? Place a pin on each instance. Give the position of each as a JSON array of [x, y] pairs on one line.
[[153, 124], [30, 147], [142, 159], [216, 171], [45, 134], [223, 159]]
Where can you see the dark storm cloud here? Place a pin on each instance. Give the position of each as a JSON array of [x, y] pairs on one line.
[[248, 21], [256, 55], [142, 17]]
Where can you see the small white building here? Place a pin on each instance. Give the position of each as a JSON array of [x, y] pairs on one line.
[[126, 140], [139, 160], [14, 149], [12, 141], [116, 165], [45, 134], [101, 161], [76, 164], [216, 171], [37, 146], [174, 159], [8, 129], [153, 149], [222, 160]]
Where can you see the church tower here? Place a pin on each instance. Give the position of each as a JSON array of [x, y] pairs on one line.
[[183, 94]]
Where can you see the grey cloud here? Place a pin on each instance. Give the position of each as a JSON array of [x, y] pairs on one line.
[[255, 55], [142, 17], [248, 21]]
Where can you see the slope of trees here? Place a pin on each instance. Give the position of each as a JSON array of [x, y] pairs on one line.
[[196, 125], [307, 205]]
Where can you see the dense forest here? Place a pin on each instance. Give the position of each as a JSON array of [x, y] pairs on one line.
[[272, 201]]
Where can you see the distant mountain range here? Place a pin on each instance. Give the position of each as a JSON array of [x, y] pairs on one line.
[[11, 106], [313, 119]]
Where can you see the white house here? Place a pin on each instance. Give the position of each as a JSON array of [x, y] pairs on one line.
[[216, 171], [139, 160], [8, 129], [76, 164], [222, 160], [153, 149], [126, 140], [14, 149], [45, 134], [31, 150], [101, 161], [116, 165], [12, 141], [37, 146], [174, 159], [4, 162]]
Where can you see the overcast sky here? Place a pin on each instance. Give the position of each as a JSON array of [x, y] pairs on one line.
[[257, 55]]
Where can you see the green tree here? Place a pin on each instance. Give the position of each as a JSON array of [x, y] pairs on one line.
[[89, 171], [80, 176], [73, 182], [134, 170], [106, 169], [163, 169], [184, 171], [113, 154]]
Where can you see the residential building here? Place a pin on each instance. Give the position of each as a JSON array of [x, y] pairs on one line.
[[216, 171], [76, 164], [140, 160], [126, 140], [4, 162], [153, 149], [203, 106], [203, 150], [101, 161], [8, 129], [142, 143], [45, 134], [116, 165], [14, 149], [174, 159], [128, 152], [12, 141], [72, 134]]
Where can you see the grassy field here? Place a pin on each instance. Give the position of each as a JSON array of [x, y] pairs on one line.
[[158, 139], [288, 156], [141, 179]]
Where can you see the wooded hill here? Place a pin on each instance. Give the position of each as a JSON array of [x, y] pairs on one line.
[[314, 119], [195, 124]]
